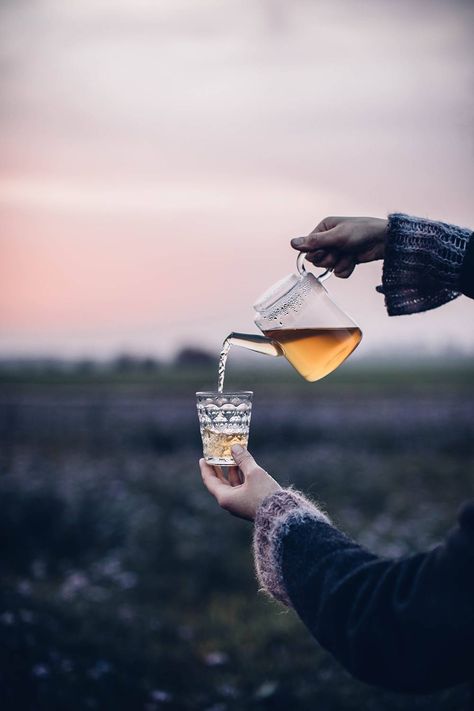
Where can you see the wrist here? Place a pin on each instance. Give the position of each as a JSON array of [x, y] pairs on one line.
[[382, 234], [264, 495]]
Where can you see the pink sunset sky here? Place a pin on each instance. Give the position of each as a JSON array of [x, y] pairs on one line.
[[157, 156]]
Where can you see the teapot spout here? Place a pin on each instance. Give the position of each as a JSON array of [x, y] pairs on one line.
[[255, 342]]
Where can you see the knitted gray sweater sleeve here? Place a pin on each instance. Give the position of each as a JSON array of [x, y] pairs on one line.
[[422, 263], [275, 515]]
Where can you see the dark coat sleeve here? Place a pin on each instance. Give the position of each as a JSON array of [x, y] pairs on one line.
[[406, 625], [466, 281]]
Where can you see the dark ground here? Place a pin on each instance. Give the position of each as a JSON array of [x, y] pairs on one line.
[[126, 588]]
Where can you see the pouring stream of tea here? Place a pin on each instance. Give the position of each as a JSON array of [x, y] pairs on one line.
[[222, 361]]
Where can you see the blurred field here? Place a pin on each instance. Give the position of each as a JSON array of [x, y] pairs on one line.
[[125, 587]]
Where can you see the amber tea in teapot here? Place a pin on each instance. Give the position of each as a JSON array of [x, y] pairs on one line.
[[315, 352]]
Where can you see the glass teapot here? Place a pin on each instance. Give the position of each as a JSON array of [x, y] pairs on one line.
[[300, 321]]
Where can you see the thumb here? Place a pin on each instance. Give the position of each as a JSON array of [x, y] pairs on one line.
[[318, 240], [244, 459]]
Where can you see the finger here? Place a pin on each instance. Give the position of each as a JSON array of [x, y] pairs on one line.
[[345, 274], [344, 267], [326, 259], [315, 257], [328, 223], [220, 474], [213, 484], [234, 476], [318, 240], [244, 460]]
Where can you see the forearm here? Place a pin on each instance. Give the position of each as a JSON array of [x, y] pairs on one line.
[[404, 625], [423, 264]]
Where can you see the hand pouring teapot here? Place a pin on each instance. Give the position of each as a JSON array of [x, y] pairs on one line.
[[301, 322]]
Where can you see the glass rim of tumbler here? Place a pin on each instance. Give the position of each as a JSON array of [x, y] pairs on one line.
[[226, 393]]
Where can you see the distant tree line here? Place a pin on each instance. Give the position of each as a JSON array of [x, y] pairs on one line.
[[124, 363]]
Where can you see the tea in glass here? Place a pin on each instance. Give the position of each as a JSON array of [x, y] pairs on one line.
[[224, 420]]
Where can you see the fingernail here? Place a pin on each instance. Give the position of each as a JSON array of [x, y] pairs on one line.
[[237, 449], [297, 241]]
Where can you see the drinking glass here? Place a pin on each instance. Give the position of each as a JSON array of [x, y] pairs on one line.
[[224, 420]]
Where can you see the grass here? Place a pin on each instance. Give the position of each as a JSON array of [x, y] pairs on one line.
[[125, 587]]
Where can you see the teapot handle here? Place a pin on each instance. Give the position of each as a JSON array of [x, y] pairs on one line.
[[302, 269]]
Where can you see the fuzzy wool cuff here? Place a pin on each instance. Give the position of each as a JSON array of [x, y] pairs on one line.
[[273, 519]]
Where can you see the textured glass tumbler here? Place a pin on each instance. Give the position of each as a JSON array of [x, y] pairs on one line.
[[224, 419]]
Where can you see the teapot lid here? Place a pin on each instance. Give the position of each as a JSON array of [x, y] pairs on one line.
[[276, 291]]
